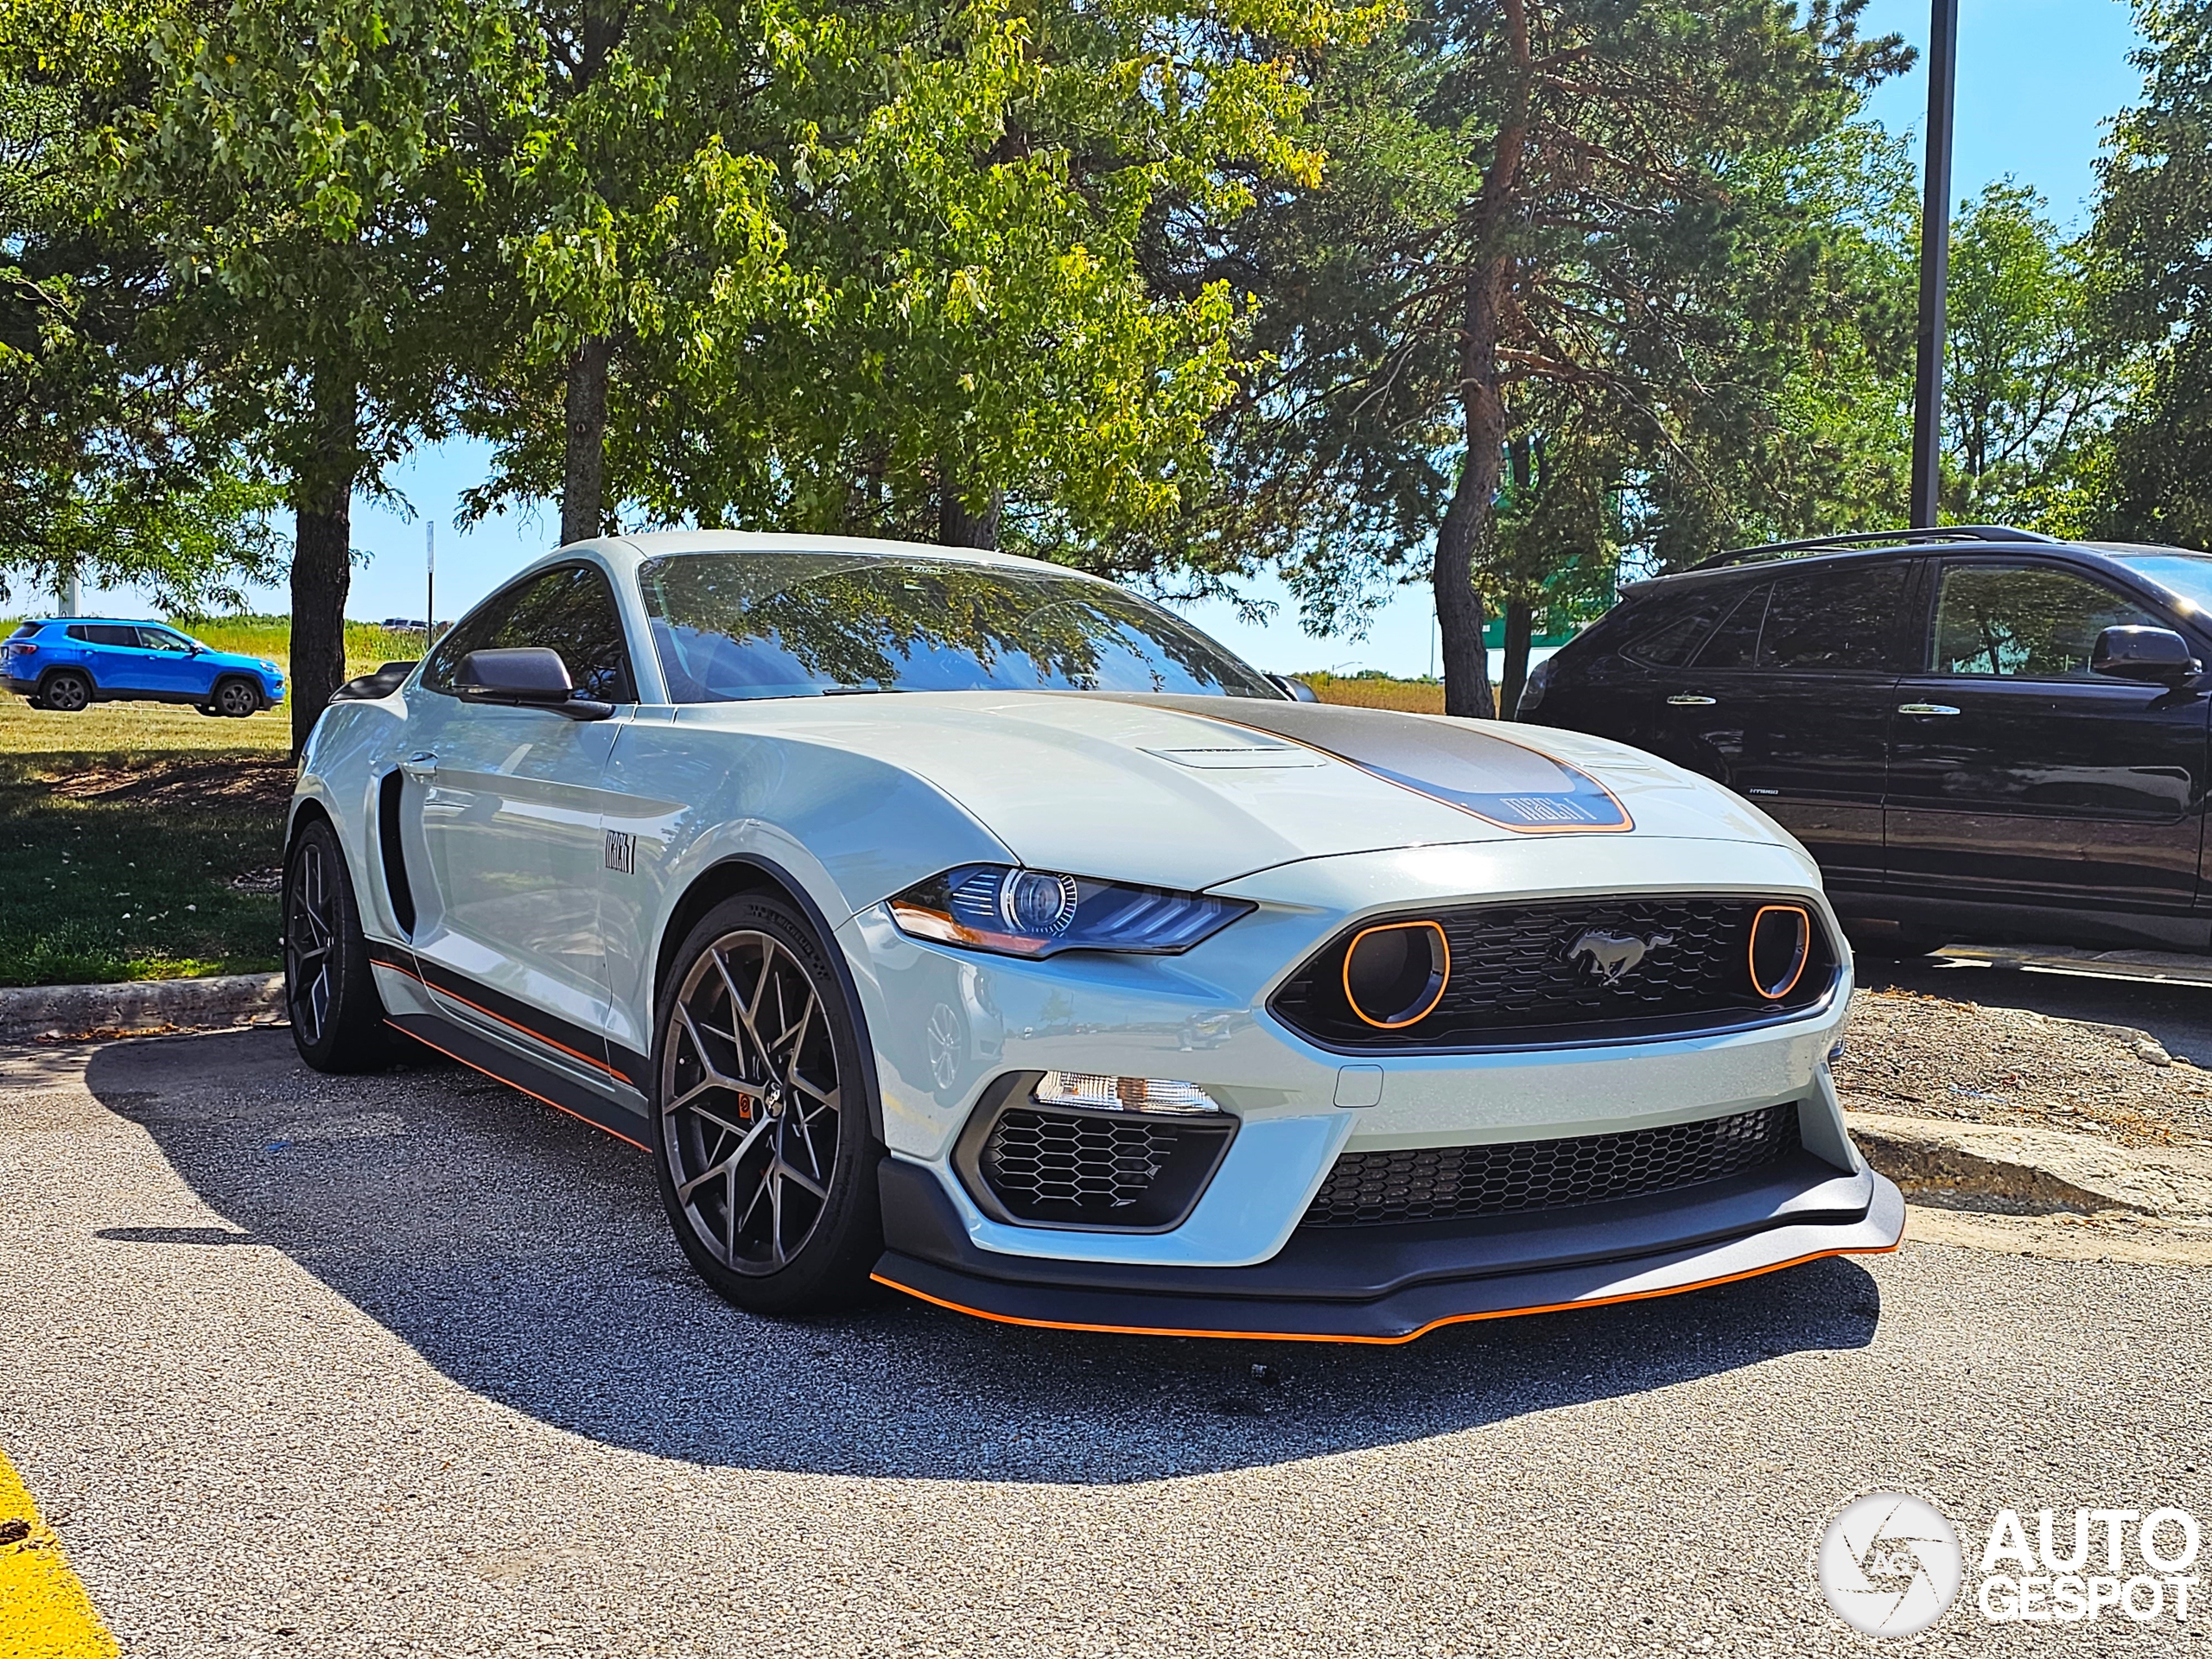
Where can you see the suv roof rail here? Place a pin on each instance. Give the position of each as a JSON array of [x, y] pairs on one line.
[[1873, 538]]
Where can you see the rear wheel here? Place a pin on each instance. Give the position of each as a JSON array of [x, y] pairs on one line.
[[329, 989], [235, 699], [66, 691], [765, 1154]]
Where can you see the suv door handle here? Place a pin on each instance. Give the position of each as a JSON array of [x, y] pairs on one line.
[[1690, 700], [1926, 709], [420, 767]]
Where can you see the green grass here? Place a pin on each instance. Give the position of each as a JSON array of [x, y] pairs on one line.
[[125, 830], [122, 832]]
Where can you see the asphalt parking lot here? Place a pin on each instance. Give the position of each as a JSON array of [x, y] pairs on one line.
[[408, 1364]]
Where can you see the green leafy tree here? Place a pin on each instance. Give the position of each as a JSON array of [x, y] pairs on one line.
[[1538, 208], [307, 170], [2030, 387], [2152, 247], [112, 467], [640, 243], [956, 337]]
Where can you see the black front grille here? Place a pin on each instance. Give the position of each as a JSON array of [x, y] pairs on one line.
[[1453, 1183], [1100, 1169], [1533, 974]]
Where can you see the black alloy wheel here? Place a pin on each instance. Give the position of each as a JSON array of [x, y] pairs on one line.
[[766, 1152], [329, 988], [235, 699], [66, 691]]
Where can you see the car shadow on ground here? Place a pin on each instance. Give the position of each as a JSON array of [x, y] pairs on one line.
[[525, 1256]]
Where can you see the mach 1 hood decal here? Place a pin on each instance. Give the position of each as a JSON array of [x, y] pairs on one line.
[[1494, 779]]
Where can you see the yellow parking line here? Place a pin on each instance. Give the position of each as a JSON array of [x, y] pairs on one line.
[[44, 1612]]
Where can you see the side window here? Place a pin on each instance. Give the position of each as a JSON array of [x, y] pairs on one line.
[[2024, 621], [162, 639], [1670, 635], [1835, 621], [1735, 644], [104, 634], [570, 610]]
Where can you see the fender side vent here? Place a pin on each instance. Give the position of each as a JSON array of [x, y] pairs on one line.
[[395, 859]]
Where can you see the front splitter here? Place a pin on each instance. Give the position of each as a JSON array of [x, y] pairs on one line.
[[1413, 1311]]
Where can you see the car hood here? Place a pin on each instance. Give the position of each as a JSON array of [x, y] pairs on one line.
[[1188, 792], [238, 659]]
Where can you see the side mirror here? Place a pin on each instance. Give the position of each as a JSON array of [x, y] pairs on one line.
[[526, 677], [1297, 690], [2158, 656]]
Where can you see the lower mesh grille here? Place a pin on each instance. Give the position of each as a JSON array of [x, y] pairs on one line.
[[1441, 1182], [1100, 1169]]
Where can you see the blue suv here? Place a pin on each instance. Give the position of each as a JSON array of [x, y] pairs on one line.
[[68, 664]]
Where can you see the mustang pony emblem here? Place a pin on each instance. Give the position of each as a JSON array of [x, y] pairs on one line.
[[1612, 954]]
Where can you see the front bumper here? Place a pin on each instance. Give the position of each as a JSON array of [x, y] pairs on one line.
[[1392, 1283]]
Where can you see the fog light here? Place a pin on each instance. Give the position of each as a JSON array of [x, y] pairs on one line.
[[1120, 1094]]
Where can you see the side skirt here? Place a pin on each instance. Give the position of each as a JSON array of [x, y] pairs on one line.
[[535, 1081]]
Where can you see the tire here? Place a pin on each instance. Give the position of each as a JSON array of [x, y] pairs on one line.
[[773, 1219], [66, 691], [235, 699], [330, 991]]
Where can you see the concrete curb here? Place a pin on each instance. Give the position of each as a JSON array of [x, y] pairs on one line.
[[2033, 1171], [224, 1000]]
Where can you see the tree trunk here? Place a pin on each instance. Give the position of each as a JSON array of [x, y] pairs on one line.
[[1519, 623], [1470, 526], [322, 551], [583, 475], [956, 526], [1459, 609]]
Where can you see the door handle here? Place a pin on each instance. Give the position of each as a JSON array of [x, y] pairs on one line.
[[1690, 700], [1926, 709], [420, 767]]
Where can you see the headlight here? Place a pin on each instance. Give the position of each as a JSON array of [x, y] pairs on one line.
[[1021, 913]]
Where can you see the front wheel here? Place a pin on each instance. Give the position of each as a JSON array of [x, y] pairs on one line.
[[330, 990], [766, 1152], [235, 700]]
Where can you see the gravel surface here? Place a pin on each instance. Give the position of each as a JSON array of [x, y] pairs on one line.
[[409, 1364], [1922, 1055]]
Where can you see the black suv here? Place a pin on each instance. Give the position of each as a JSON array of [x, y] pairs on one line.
[[1979, 731]]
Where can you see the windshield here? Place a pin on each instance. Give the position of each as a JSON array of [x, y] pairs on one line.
[[2186, 575], [729, 627]]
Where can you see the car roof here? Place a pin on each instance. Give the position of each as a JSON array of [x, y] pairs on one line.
[[109, 621], [634, 548], [1748, 564]]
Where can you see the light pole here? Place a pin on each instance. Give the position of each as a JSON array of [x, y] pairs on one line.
[[1934, 265], [429, 585]]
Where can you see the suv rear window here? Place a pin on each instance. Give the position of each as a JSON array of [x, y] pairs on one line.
[[23, 628]]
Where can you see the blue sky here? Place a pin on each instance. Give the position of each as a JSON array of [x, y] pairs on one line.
[[2038, 79]]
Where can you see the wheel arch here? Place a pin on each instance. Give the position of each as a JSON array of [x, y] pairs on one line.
[[85, 668], [749, 873], [225, 677]]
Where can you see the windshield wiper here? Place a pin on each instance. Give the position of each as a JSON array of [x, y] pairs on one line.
[[857, 690]]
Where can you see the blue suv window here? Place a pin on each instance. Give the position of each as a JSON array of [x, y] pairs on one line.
[[105, 633]]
